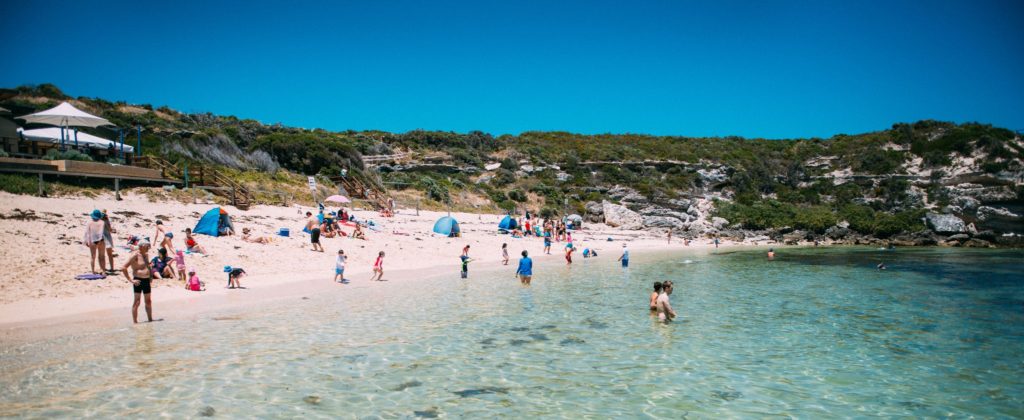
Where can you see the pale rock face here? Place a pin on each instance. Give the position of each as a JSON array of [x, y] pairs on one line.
[[712, 177], [663, 222], [843, 224], [562, 176], [719, 223], [945, 223], [622, 217], [965, 202]]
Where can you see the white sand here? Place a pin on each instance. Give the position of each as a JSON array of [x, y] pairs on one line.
[[40, 257]]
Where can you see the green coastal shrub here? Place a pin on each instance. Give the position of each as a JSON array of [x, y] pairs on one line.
[[21, 184]]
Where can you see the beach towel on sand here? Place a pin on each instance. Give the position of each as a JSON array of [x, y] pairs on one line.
[[90, 276]]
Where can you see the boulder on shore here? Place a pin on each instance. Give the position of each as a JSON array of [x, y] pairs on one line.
[[620, 216], [945, 223]]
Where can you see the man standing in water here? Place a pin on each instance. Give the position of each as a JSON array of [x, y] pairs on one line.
[[525, 270], [141, 278], [665, 312], [625, 256]]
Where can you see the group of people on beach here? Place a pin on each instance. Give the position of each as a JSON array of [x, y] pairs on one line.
[[140, 269]]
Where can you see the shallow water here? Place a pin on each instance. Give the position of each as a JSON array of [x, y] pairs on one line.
[[816, 333]]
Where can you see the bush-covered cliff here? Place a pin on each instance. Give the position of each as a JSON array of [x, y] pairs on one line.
[[922, 182]]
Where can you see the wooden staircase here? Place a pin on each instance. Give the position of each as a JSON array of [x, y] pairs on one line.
[[240, 196], [358, 189]]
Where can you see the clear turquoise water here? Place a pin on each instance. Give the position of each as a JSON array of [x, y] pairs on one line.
[[816, 333]]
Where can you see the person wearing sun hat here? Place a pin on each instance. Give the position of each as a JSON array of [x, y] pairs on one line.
[[93, 239]]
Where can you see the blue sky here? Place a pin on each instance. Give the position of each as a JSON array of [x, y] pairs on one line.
[[773, 69]]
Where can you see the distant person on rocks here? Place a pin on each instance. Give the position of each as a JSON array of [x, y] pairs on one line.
[[665, 312], [141, 278], [625, 256], [670, 236], [95, 241], [313, 225], [525, 270], [378, 267]]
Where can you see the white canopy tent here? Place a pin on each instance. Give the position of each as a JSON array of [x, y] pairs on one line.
[[65, 115], [52, 134]]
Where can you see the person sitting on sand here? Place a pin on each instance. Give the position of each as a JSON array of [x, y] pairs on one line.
[[191, 245], [525, 270], [504, 254], [194, 284], [162, 265], [357, 233], [654, 296], [94, 240], [247, 237], [665, 312], [141, 278], [378, 267], [313, 226]]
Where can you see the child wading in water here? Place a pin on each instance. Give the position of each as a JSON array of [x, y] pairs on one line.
[[378, 268], [339, 268]]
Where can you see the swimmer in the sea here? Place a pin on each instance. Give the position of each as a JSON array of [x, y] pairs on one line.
[[654, 296]]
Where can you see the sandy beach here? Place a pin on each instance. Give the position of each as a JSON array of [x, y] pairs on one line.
[[41, 251]]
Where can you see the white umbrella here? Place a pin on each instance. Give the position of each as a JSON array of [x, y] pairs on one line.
[[65, 115], [52, 134]]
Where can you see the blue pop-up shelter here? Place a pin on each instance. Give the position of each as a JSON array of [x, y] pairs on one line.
[[508, 223], [212, 222], [447, 226]]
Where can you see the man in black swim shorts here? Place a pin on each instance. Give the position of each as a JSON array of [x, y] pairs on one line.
[[313, 224], [141, 278]]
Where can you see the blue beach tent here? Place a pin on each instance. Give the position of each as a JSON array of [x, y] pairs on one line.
[[447, 226], [209, 223], [508, 223]]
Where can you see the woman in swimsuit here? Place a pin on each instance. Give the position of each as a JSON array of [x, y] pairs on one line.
[[95, 241], [654, 296], [108, 241]]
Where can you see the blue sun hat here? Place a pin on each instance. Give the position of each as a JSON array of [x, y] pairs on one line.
[[96, 215]]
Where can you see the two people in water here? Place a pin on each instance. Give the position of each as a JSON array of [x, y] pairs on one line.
[[660, 301]]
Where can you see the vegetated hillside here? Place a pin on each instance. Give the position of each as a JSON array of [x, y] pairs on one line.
[[966, 178]]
